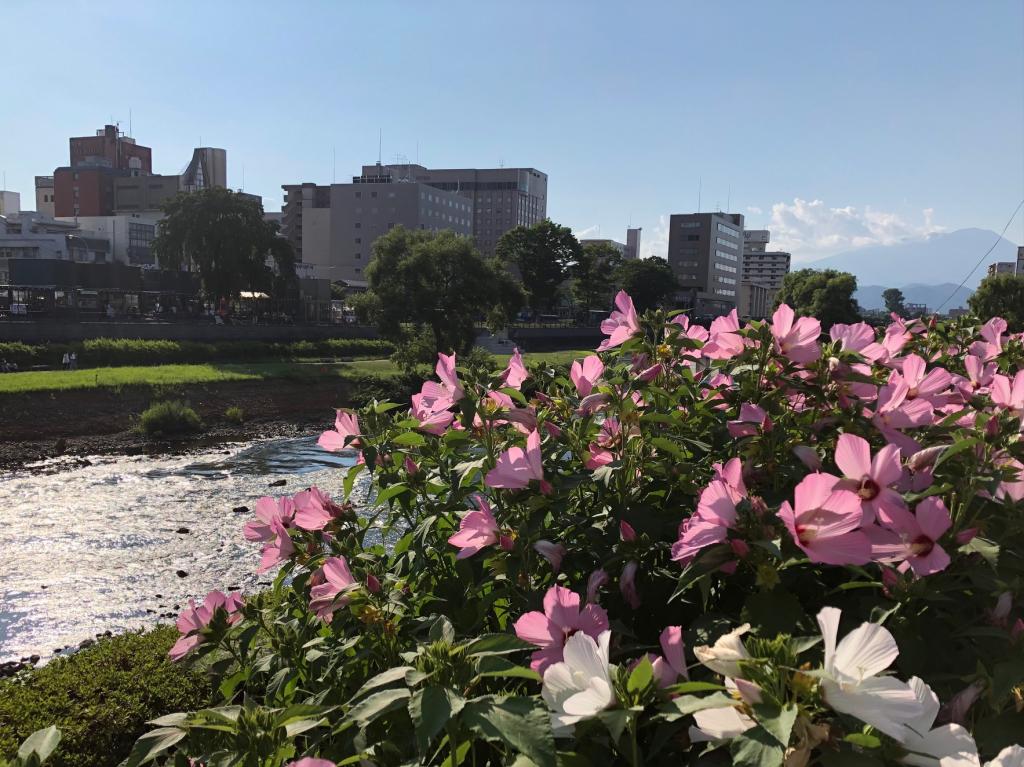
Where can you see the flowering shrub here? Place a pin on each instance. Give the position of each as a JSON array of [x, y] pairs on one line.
[[734, 545]]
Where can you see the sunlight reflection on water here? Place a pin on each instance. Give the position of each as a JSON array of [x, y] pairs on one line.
[[94, 548]]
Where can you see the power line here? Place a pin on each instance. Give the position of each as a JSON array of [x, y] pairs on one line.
[[975, 267]]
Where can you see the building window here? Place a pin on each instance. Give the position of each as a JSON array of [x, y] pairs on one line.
[[726, 256], [725, 268], [373, 194], [359, 194], [728, 230], [359, 225], [689, 224], [359, 240], [687, 264], [726, 244], [359, 256], [693, 238]]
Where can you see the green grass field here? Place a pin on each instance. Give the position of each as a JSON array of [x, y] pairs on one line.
[[177, 375]]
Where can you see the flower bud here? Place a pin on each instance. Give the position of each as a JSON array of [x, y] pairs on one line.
[[626, 531], [552, 552], [808, 457], [966, 536], [739, 548], [595, 582], [372, 584], [925, 459]]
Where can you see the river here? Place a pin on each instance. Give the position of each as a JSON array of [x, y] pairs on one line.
[[86, 549]]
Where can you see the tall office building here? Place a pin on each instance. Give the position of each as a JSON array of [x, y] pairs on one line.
[[208, 168], [333, 228], [764, 268], [86, 186], [633, 243], [501, 198], [705, 252], [44, 195]]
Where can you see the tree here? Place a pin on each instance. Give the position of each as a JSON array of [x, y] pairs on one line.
[[542, 255], [648, 281], [826, 294], [593, 276], [428, 289], [222, 236], [894, 301], [1001, 295]]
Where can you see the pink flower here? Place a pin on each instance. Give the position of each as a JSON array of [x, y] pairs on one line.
[[311, 761], [586, 373], [478, 530], [554, 553], [344, 435], [626, 531], [331, 593], [979, 376], [716, 513], [562, 617], [434, 422], [431, 405], [853, 338], [894, 411], [796, 339], [731, 473], [314, 509], [193, 620], [724, 341], [269, 510], [1007, 395], [627, 584], [516, 468], [595, 582], [808, 457], [693, 332], [992, 346], [870, 479], [825, 520], [671, 664], [278, 549], [892, 343], [919, 533], [752, 420], [621, 324], [516, 371], [930, 386]]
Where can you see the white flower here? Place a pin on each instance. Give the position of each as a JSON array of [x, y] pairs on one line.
[[851, 685], [580, 686], [724, 655], [928, 746], [716, 724], [1011, 756]]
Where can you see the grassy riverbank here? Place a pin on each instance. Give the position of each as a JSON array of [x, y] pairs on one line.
[[212, 373]]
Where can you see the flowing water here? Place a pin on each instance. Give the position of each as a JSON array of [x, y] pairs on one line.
[[86, 549]]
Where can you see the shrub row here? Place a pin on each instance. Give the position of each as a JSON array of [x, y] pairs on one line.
[[169, 418], [100, 698], [114, 352]]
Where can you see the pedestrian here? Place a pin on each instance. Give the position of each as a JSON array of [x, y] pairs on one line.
[[66, 362], [74, 360]]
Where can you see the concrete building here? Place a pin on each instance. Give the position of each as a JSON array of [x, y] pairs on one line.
[[110, 148], [130, 237], [501, 198], [334, 227], [622, 248], [1004, 267], [762, 267], [137, 194], [207, 168], [10, 203], [44, 196], [705, 252], [756, 301], [633, 243]]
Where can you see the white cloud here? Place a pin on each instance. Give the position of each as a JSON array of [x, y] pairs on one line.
[[589, 233], [811, 230], [654, 241], [754, 210]]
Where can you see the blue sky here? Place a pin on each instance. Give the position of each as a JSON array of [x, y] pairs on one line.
[[836, 124]]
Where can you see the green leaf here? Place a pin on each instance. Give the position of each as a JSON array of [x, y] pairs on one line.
[[756, 748], [663, 443], [687, 687], [777, 721], [685, 705], [863, 740], [378, 704], [989, 550], [388, 493], [641, 676], [496, 644], [522, 723], [430, 710], [957, 447], [153, 744], [41, 743], [350, 478], [1005, 677], [503, 668], [615, 720], [382, 679], [410, 439]]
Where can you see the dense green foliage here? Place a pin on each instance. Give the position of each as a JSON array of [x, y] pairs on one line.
[[593, 276], [894, 301], [649, 281], [113, 352], [169, 418], [223, 236], [542, 256], [100, 698], [428, 290], [1001, 295], [822, 293]]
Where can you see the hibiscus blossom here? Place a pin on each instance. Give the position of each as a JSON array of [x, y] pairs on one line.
[[562, 617]]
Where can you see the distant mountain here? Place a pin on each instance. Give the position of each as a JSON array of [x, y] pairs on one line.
[[870, 296], [938, 258]]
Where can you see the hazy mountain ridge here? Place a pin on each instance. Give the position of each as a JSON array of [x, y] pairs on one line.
[[870, 296], [932, 262]]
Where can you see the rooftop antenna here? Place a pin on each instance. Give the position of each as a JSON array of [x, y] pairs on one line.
[[243, 175], [700, 181], [380, 143], [334, 163], [417, 152], [728, 199]]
